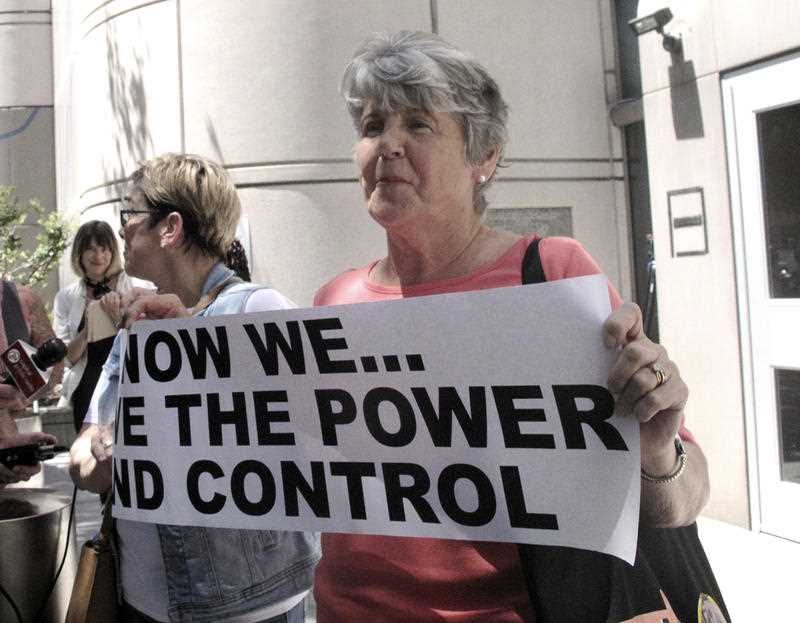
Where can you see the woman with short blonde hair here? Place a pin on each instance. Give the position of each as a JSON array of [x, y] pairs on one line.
[[178, 227], [200, 191]]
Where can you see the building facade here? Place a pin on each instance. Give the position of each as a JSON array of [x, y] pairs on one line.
[[722, 125], [254, 85], [27, 159], [613, 139]]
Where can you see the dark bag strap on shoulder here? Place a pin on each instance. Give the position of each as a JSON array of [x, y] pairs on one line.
[[13, 317], [568, 585], [532, 271]]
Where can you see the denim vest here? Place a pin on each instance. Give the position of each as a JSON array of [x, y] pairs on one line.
[[215, 573]]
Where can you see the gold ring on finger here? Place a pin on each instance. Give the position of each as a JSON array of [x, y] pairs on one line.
[[660, 372]]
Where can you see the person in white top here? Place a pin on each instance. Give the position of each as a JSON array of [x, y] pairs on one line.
[[96, 260]]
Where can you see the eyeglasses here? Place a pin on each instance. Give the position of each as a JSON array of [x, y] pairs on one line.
[[126, 214]]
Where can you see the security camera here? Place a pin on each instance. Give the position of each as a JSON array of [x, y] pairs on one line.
[[656, 21]]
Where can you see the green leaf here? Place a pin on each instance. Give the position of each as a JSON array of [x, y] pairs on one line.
[[29, 266]]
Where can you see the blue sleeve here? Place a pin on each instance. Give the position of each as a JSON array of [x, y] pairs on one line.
[[103, 407]]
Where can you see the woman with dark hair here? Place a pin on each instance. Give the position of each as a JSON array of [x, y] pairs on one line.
[[96, 260], [236, 260]]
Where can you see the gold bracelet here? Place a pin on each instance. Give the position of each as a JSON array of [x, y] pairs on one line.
[[680, 465]]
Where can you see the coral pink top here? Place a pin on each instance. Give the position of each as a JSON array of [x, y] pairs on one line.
[[424, 580]]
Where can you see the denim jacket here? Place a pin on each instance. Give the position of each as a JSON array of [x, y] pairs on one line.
[[215, 573]]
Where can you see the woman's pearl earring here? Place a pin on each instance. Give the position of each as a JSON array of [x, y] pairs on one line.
[[482, 180]]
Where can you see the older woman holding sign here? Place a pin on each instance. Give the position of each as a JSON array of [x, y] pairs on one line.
[[178, 225], [431, 131]]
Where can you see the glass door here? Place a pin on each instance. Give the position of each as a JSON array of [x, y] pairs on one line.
[[762, 115]]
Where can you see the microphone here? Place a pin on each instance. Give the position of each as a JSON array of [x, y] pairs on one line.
[[29, 454], [29, 368]]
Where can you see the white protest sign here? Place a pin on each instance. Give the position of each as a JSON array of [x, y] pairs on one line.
[[480, 415]]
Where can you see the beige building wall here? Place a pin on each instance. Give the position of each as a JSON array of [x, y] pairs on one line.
[[556, 65], [26, 108], [698, 307], [254, 84]]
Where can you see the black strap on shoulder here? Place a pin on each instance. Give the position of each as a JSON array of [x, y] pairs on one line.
[[13, 318], [566, 584], [532, 271]]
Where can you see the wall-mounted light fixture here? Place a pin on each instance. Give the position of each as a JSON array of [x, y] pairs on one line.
[[656, 21]]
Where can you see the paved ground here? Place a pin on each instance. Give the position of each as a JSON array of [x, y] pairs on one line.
[[756, 572]]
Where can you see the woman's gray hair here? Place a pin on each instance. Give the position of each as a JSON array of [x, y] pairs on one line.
[[420, 70]]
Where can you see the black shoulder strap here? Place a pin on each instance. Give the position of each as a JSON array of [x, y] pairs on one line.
[[566, 584], [13, 318], [532, 271]]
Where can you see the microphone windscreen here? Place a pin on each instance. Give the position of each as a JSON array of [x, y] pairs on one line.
[[49, 353]]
